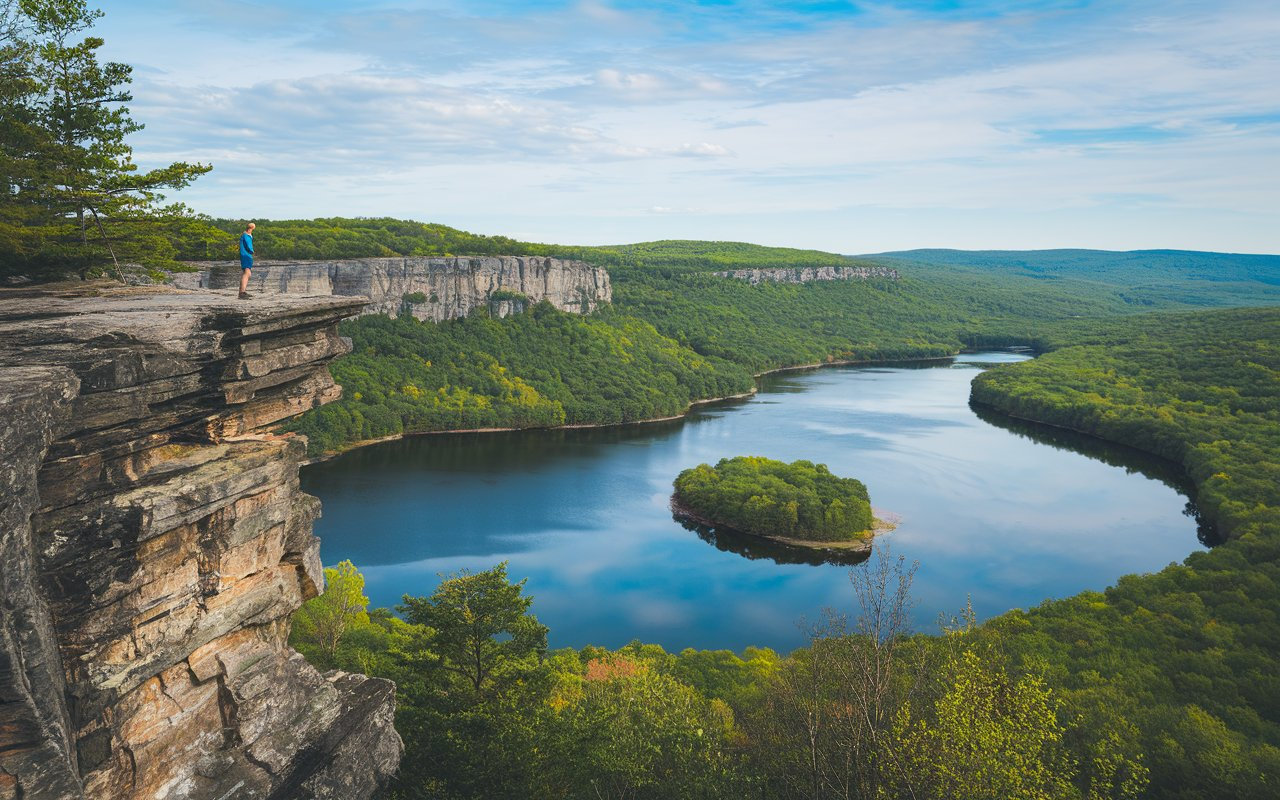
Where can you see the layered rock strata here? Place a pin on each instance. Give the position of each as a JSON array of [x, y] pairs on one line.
[[428, 288], [809, 274], [155, 543]]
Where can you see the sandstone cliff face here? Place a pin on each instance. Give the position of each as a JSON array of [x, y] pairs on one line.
[[153, 548], [810, 274], [448, 287]]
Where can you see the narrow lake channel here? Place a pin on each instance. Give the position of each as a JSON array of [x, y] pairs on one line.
[[1001, 512]]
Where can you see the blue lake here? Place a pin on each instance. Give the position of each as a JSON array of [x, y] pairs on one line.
[[995, 510]]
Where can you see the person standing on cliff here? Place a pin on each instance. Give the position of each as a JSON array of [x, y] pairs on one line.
[[246, 260]]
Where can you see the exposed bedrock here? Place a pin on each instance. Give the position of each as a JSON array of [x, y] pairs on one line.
[[429, 288], [154, 545]]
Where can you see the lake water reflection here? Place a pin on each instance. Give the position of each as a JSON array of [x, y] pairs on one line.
[[990, 511]]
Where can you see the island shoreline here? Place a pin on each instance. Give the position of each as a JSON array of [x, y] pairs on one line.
[[882, 522]]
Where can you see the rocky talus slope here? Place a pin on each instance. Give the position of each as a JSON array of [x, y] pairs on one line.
[[429, 288], [154, 543], [810, 274]]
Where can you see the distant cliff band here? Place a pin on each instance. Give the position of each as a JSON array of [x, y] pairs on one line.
[[429, 288], [809, 274]]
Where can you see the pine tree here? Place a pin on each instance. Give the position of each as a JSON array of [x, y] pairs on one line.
[[73, 197]]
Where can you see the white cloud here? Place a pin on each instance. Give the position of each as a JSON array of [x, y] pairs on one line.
[[592, 118], [701, 150], [635, 82]]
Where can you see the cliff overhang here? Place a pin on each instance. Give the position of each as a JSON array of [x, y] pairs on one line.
[[154, 545]]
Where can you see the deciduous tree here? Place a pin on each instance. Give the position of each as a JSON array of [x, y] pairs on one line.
[[990, 736], [323, 620], [484, 631]]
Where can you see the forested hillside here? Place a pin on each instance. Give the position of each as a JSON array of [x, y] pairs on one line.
[[538, 369], [1190, 655], [608, 367], [665, 299], [775, 325], [1198, 389], [371, 237]]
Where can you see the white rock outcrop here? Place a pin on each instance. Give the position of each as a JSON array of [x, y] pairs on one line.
[[429, 288]]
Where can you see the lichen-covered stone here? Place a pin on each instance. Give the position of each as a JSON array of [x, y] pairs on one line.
[[155, 543]]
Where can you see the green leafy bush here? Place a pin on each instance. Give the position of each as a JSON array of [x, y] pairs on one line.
[[508, 294]]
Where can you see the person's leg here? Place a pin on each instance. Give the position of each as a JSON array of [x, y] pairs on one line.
[[244, 280]]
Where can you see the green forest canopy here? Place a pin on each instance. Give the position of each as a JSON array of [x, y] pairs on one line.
[[1120, 267], [538, 369], [753, 494], [1190, 654], [486, 711], [363, 237]]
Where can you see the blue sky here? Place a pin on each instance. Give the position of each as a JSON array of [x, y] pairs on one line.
[[851, 127]]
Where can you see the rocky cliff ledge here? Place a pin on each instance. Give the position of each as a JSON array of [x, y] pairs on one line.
[[810, 274], [429, 288], [153, 547]]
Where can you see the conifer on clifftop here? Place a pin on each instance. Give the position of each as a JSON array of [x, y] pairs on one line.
[[71, 197]]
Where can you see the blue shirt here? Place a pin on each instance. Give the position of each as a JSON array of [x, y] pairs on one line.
[[246, 250]]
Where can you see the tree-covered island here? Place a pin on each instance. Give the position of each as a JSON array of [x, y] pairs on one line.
[[801, 502]]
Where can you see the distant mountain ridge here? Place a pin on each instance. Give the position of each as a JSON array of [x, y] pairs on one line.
[[1240, 266], [1150, 277]]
